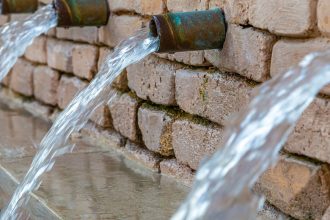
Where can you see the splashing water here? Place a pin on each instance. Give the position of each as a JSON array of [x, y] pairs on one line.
[[253, 140], [16, 36], [76, 115]]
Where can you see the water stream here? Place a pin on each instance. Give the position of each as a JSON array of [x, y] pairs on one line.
[[76, 115], [16, 36], [253, 140]]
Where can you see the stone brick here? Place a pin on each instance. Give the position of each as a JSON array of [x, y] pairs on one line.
[[81, 34], [67, 90], [45, 83], [60, 55], [326, 215], [247, 51], [311, 136], [156, 129], [102, 117], [236, 11], [121, 82], [37, 51], [213, 95], [120, 28], [84, 60], [193, 58], [294, 51], [123, 109], [323, 18], [193, 141], [145, 7], [299, 188], [6, 79], [4, 19], [284, 17], [187, 5], [153, 79], [182, 173], [22, 78], [38, 110], [142, 156]]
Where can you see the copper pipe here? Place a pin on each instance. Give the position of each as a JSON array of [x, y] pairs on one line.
[[18, 6]]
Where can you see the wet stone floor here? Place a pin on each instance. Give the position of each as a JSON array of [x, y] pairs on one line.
[[90, 183]]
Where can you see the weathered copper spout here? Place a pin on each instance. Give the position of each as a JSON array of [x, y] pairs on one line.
[[82, 12], [18, 6], [189, 31]]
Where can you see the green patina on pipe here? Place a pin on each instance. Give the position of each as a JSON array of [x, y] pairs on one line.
[[82, 12], [189, 31], [19, 6]]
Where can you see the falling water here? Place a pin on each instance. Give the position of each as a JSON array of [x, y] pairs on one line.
[[76, 115], [253, 140], [16, 36]]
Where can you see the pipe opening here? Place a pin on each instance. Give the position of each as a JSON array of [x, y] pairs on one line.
[[153, 28]]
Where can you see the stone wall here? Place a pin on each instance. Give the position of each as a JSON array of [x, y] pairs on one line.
[[172, 108]]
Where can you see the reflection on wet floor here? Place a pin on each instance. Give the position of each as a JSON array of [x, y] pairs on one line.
[[88, 184]]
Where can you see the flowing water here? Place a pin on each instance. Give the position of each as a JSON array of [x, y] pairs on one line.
[[16, 36], [253, 140], [76, 115]]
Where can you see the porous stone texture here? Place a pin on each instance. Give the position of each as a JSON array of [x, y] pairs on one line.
[[323, 18], [123, 109], [284, 17], [326, 215], [172, 168], [246, 51], [80, 34], [193, 58], [311, 136], [299, 188], [37, 51], [156, 129], [187, 5], [139, 6], [101, 116], [60, 55], [153, 79], [68, 89], [45, 84], [294, 51], [194, 141], [212, 95], [144, 157], [22, 77], [84, 60]]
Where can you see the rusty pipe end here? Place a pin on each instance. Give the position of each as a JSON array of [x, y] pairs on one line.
[[82, 13], [18, 6], [189, 31]]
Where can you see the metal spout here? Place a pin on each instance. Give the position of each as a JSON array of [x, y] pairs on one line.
[[18, 6], [189, 31], [82, 12]]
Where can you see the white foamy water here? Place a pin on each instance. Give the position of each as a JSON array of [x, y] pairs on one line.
[[16, 36], [253, 140], [76, 115]]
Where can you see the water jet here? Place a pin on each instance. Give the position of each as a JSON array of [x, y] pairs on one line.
[[189, 31]]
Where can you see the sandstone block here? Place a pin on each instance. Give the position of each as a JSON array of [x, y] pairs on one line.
[[6, 80], [81, 34], [60, 55], [154, 79], [45, 83], [22, 78], [156, 129], [120, 28], [323, 19], [142, 156], [284, 17], [311, 136], [84, 60], [193, 58], [193, 141], [299, 188], [294, 51], [4, 19], [121, 82], [187, 5], [213, 95], [123, 109], [236, 11], [246, 51], [172, 168], [102, 117], [37, 51], [68, 89]]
